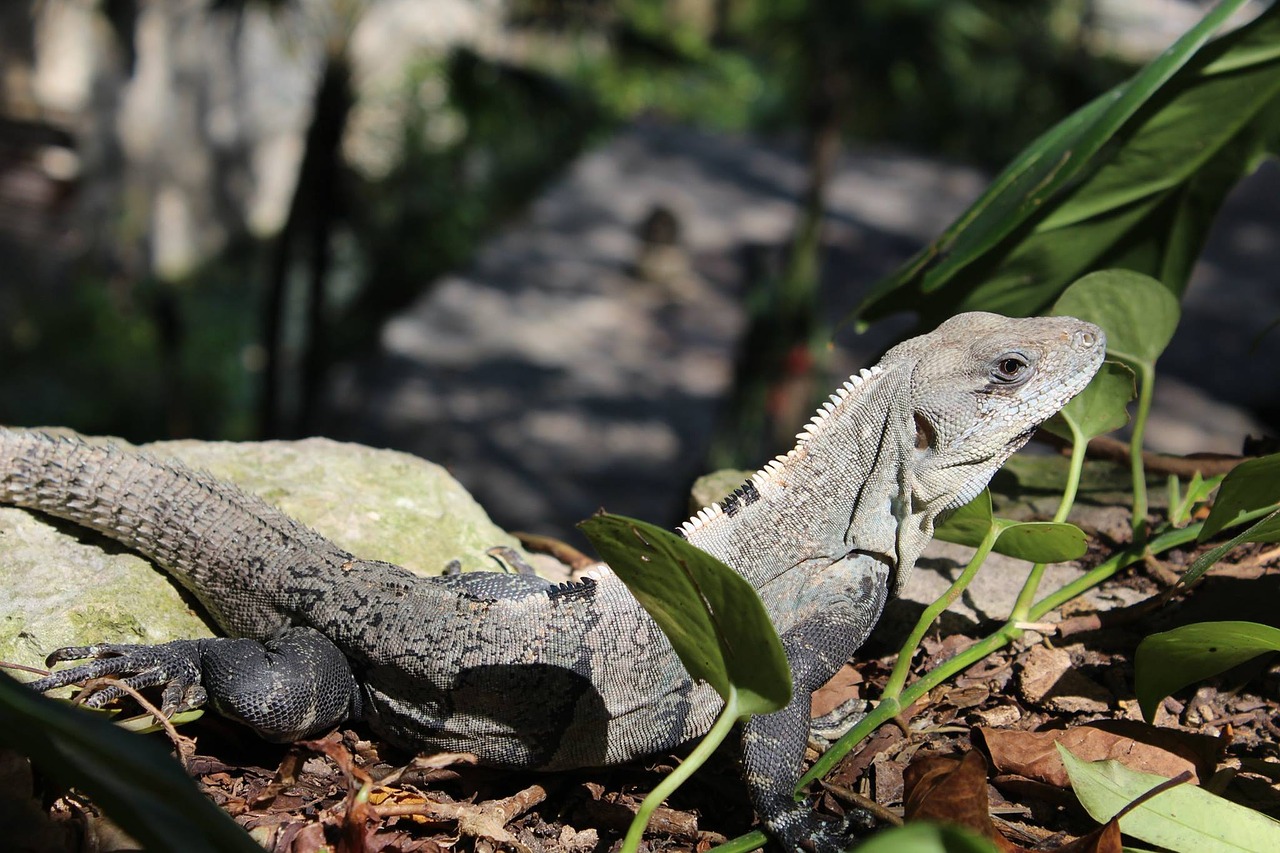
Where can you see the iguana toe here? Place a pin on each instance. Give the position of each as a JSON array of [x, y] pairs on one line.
[[174, 665]]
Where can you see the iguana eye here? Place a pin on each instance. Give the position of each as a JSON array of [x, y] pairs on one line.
[[1010, 369]]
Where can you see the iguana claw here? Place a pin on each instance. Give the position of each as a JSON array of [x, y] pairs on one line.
[[176, 665], [802, 829]]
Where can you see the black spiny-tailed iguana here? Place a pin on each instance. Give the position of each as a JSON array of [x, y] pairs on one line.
[[523, 673]]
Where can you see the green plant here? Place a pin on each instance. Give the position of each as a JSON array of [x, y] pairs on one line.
[[137, 783], [1131, 180], [1182, 818], [715, 622], [1140, 316]]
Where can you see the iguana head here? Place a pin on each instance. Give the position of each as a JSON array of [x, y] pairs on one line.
[[899, 443], [978, 387]]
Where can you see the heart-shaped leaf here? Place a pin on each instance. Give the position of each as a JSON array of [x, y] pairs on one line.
[[1138, 313], [1037, 541], [1042, 541], [711, 614], [1100, 408], [969, 524]]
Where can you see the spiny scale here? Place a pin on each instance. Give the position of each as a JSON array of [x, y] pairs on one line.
[[774, 467]]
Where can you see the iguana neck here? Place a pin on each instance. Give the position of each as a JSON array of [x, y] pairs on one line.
[[840, 489]]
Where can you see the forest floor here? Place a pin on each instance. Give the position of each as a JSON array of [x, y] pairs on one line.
[[1069, 680]]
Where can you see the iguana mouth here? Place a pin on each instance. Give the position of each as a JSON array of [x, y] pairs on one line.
[[1022, 438]]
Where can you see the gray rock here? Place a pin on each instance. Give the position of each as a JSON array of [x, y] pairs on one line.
[[62, 585]]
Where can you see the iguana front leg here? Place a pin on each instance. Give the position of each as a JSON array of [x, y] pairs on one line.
[[773, 744], [287, 687]]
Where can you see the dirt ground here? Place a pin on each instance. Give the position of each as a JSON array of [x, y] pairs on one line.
[[1070, 680]]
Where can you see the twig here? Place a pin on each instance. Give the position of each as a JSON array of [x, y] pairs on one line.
[[18, 667], [1114, 450], [182, 745], [853, 797], [562, 551]]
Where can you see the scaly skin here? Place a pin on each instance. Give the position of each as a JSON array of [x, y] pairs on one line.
[[527, 674]]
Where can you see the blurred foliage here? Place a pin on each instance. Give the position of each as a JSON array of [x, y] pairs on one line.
[[477, 138], [141, 360], [972, 79], [470, 162]]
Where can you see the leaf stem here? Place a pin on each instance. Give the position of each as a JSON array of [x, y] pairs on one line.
[[892, 706], [1079, 447], [753, 840], [1146, 390], [1079, 442], [1170, 538], [902, 667], [710, 741]]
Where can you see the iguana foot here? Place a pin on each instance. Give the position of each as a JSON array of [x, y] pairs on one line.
[[288, 686], [176, 665], [800, 829], [836, 723]]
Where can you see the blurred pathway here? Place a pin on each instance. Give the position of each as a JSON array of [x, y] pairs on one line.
[[575, 365]]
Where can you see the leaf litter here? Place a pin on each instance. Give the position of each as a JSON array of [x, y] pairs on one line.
[[979, 751]]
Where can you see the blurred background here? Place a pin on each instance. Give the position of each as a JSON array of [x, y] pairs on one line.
[[579, 251]]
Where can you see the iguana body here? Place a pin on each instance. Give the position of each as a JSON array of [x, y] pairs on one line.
[[527, 674]]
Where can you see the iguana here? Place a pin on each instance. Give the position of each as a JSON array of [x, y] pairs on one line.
[[528, 674]]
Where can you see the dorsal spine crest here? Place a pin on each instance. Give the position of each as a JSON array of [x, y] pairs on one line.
[[774, 468]]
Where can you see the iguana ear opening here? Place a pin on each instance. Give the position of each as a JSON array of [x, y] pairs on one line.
[[925, 434]]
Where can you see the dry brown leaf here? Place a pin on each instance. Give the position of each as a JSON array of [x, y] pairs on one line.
[[884, 741], [937, 651], [969, 696], [385, 798], [1039, 671], [1047, 678], [842, 687], [1149, 749], [952, 790]]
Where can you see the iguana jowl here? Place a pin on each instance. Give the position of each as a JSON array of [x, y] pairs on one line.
[[524, 673]]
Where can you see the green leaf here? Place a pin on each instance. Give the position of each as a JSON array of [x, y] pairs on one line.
[[1248, 487], [1184, 818], [711, 614], [926, 837], [1041, 541], [1167, 662], [1059, 156], [1138, 313], [1037, 541], [1265, 529], [1099, 408], [146, 724], [134, 781], [969, 524], [1132, 179]]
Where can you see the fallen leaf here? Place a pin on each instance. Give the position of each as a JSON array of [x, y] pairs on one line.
[[1034, 755], [1049, 678], [842, 687], [1040, 669], [951, 790]]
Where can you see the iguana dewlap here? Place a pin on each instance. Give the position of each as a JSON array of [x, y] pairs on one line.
[[523, 673]]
